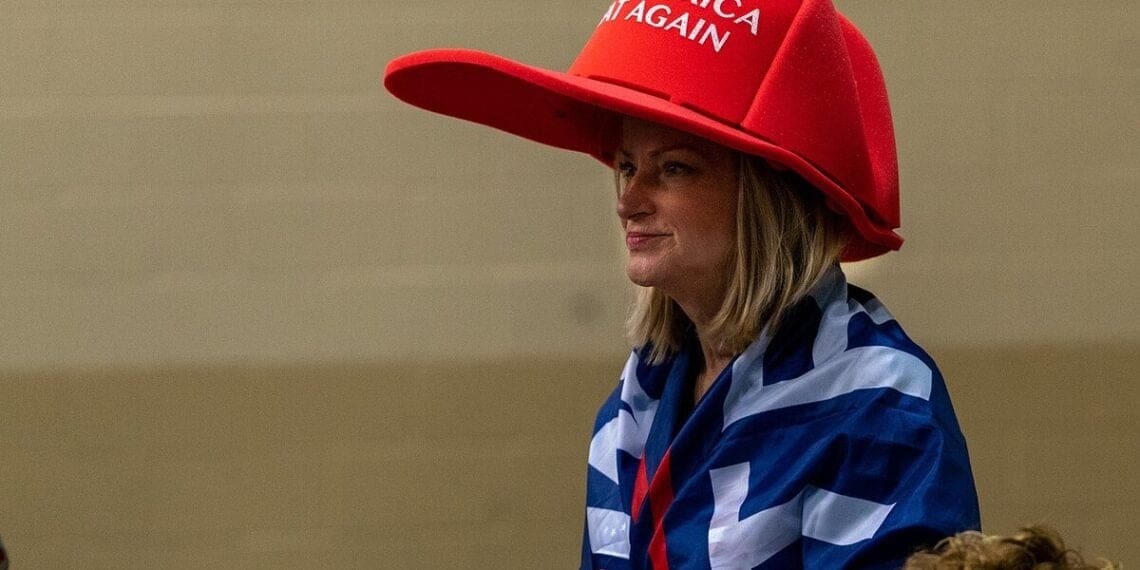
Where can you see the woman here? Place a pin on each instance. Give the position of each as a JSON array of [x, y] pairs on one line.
[[770, 415]]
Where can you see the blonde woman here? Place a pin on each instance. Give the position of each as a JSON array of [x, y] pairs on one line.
[[770, 415]]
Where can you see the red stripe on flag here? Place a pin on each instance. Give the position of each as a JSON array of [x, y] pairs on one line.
[[660, 497], [640, 487]]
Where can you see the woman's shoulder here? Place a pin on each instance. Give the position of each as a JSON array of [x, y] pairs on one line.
[[840, 350]]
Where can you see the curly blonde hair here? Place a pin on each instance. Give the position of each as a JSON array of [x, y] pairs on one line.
[[1030, 548]]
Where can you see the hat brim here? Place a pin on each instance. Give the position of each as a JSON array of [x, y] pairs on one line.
[[572, 112]]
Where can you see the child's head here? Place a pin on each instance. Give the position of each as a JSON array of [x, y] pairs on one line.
[[1031, 548]]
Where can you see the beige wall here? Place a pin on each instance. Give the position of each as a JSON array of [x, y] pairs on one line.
[[256, 313]]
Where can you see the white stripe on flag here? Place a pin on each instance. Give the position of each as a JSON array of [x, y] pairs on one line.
[[862, 368], [815, 513], [742, 544], [609, 532], [627, 431], [832, 336], [604, 445], [877, 311], [839, 519]]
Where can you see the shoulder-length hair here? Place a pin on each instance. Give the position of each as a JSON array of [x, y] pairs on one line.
[[786, 239]]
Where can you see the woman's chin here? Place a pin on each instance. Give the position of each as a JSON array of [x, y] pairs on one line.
[[643, 276], [640, 278]]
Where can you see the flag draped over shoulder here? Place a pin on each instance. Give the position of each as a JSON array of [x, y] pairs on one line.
[[831, 445]]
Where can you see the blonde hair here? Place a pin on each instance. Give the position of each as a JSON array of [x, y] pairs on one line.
[[1031, 548], [786, 239]]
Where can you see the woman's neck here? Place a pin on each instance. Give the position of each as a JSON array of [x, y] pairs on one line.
[[701, 311], [714, 363], [713, 359]]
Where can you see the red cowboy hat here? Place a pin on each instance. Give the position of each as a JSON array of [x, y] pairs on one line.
[[792, 81]]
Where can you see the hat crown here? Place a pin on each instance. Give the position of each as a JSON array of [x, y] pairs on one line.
[[792, 72], [708, 55]]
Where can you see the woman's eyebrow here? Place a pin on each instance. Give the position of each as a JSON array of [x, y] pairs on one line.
[[669, 148]]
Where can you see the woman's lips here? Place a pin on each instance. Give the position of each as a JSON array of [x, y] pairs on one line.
[[641, 240]]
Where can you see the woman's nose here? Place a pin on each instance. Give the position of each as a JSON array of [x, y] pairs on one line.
[[634, 199]]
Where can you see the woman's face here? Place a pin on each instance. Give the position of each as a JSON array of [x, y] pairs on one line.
[[677, 204]]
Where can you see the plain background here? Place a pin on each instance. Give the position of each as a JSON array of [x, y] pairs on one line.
[[256, 313]]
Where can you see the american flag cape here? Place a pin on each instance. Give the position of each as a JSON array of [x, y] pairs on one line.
[[832, 445]]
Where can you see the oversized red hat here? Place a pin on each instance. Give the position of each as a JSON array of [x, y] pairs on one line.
[[792, 81]]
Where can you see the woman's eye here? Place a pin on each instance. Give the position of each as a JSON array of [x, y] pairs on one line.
[[673, 168], [626, 169]]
